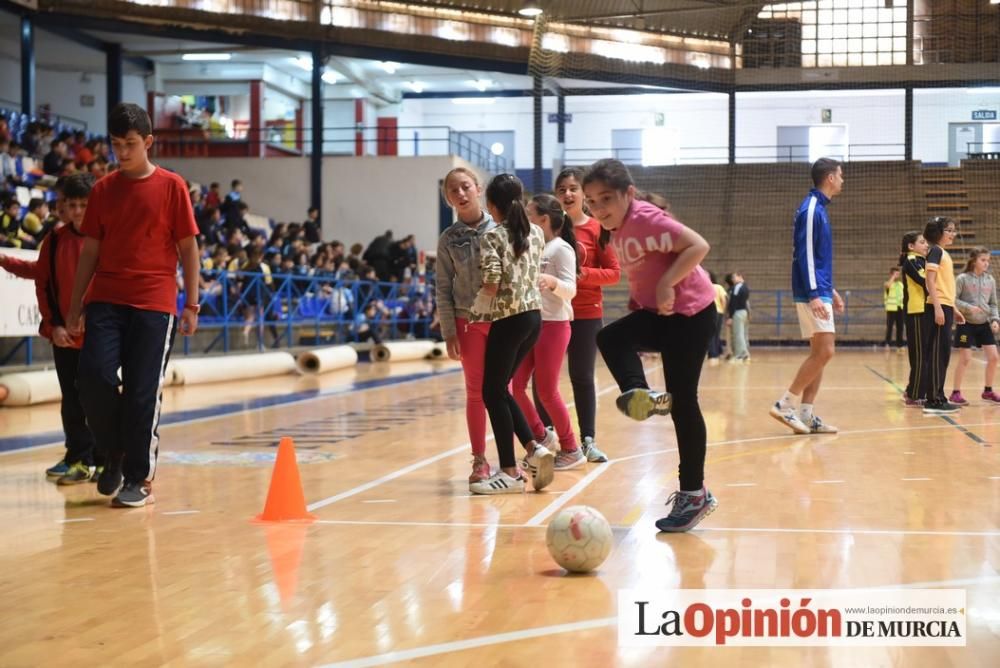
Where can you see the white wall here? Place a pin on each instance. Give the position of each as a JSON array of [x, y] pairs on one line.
[[61, 90], [871, 117], [935, 108], [362, 197], [274, 187]]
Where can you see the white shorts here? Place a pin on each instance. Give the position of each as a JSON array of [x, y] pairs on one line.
[[809, 324]]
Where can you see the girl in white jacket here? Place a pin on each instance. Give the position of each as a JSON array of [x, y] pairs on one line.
[[557, 282]]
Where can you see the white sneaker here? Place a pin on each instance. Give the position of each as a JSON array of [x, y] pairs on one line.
[[499, 483], [541, 463], [550, 441], [572, 459], [788, 417], [817, 426]]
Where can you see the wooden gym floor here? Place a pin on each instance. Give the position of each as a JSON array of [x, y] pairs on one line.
[[404, 566]]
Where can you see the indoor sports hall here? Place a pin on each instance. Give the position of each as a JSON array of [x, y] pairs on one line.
[[311, 439]]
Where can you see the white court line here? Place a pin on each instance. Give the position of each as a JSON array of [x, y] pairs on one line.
[[472, 643], [329, 393], [742, 484], [826, 482], [380, 501], [78, 519], [425, 462], [915, 479], [852, 532], [390, 476], [569, 494], [181, 512]]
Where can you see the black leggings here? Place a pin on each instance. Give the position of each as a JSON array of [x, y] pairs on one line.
[[507, 345], [682, 342], [894, 319], [916, 334], [582, 353], [937, 354]]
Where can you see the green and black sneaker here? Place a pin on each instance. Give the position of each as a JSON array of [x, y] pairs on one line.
[[77, 473]]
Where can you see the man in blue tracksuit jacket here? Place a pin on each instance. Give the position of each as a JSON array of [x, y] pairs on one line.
[[815, 299]]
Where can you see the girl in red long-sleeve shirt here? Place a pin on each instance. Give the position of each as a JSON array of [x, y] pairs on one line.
[[598, 267]]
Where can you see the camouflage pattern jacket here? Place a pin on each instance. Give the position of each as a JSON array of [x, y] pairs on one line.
[[518, 277]]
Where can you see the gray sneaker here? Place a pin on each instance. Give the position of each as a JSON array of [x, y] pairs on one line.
[[592, 452], [134, 495], [641, 403], [569, 459]]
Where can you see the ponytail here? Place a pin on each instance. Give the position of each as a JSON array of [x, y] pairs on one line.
[[559, 221], [519, 227], [506, 193]]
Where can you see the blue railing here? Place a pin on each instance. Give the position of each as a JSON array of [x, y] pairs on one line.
[[289, 304]]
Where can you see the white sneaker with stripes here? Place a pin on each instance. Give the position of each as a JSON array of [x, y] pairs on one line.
[[499, 483]]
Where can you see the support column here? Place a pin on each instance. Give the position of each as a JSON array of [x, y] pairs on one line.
[[256, 134], [113, 55], [27, 66], [732, 127], [537, 94], [908, 124], [316, 134]]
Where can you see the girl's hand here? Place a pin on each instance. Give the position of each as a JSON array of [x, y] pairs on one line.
[[454, 350], [547, 282], [995, 326], [665, 297], [938, 316], [959, 318]]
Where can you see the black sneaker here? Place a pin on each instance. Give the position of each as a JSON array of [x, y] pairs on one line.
[[940, 408], [134, 495], [109, 481]]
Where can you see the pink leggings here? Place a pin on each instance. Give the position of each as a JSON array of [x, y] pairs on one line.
[[472, 343], [545, 362]]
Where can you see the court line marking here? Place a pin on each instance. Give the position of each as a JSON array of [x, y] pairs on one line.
[[472, 643], [741, 484], [380, 501], [584, 625], [427, 462], [234, 407], [77, 519], [826, 482]]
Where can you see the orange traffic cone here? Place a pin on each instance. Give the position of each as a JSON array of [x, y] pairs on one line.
[[285, 501]]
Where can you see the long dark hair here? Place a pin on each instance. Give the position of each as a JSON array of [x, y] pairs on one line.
[[559, 221], [908, 238], [935, 229], [614, 174], [506, 193]]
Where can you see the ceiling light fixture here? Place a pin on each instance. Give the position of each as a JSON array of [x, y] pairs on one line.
[[330, 77], [206, 56], [416, 86], [530, 9], [389, 67]]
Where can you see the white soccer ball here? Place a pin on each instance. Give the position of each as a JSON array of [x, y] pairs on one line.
[[579, 539]]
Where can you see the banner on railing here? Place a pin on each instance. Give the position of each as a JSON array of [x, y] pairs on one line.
[[19, 315]]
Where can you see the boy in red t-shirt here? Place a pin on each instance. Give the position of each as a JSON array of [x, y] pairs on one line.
[[53, 273], [138, 223]]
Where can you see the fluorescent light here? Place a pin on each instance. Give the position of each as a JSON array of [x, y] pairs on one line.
[[206, 56], [330, 77], [473, 100], [530, 9], [555, 42], [415, 86], [305, 62], [480, 84], [389, 66]]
